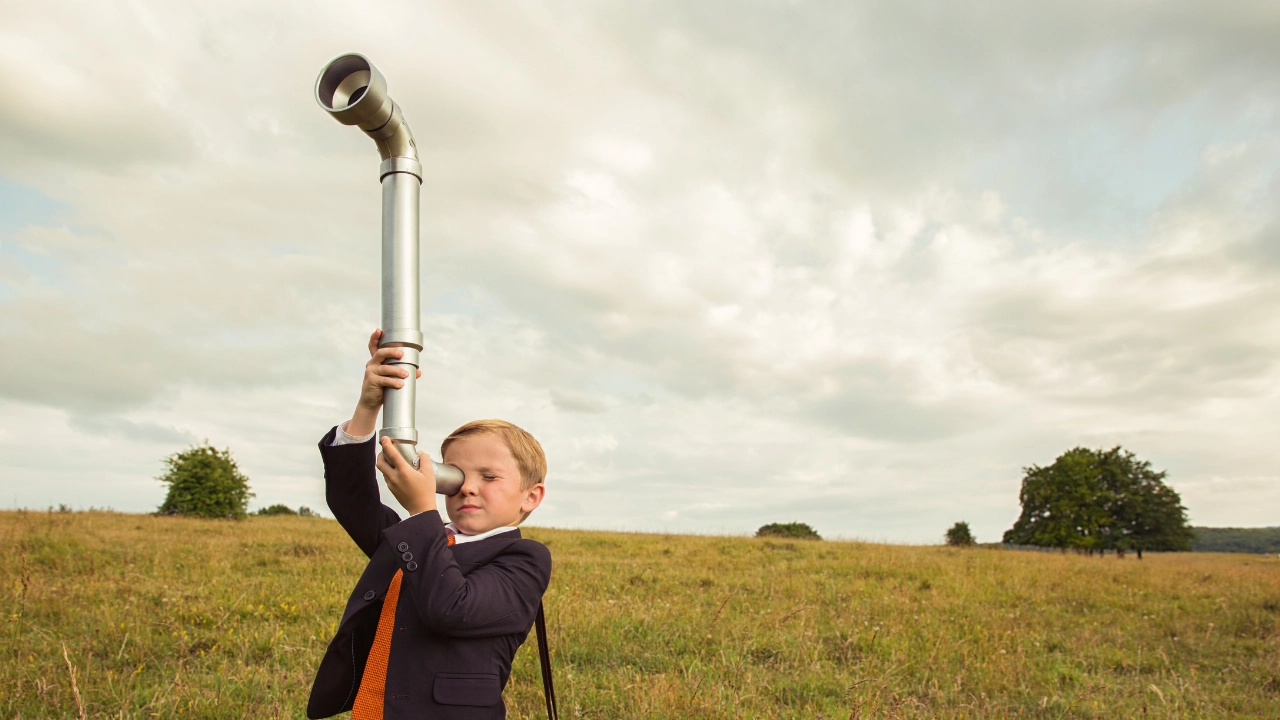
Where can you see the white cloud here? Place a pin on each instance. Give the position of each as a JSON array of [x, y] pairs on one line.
[[853, 265]]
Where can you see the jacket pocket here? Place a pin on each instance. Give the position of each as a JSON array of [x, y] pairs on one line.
[[476, 690]]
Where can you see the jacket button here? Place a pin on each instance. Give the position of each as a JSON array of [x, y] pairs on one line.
[[370, 595], [411, 566], [407, 556], [403, 547]]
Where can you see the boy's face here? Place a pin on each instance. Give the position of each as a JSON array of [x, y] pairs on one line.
[[490, 496]]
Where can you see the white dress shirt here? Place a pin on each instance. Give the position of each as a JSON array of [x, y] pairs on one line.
[[459, 538], [342, 438]]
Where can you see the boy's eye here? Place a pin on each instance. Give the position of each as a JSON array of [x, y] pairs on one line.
[[489, 477]]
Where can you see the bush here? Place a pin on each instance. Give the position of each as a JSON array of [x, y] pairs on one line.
[[205, 482], [795, 530], [959, 535], [279, 509]]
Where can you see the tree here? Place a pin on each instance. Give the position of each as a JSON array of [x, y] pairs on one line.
[[1100, 500], [1145, 513], [959, 535], [1058, 504], [795, 530], [205, 482]]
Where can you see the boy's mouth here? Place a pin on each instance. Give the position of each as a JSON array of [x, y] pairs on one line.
[[468, 507]]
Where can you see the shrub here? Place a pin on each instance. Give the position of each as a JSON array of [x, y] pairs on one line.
[[795, 530], [205, 482], [959, 535], [280, 509]]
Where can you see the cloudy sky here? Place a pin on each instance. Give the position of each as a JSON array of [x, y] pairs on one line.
[[852, 264]]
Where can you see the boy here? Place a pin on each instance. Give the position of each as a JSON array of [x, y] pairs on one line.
[[435, 619]]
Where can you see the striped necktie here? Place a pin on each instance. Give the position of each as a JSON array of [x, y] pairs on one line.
[[373, 686]]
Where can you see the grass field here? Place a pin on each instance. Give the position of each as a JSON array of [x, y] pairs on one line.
[[167, 617]]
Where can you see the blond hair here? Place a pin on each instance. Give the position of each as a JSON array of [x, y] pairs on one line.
[[524, 448]]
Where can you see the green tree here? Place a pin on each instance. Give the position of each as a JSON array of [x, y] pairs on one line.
[[205, 482], [1100, 500], [795, 530], [1059, 504], [959, 535], [1144, 512]]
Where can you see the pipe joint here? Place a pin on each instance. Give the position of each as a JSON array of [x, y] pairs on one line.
[[410, 357], [406, 165], [401, 337], [399, 434]]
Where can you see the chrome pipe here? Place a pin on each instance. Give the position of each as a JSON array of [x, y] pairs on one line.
[[353, 92]]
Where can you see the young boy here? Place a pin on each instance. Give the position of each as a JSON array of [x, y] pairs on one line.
[[435, 619]]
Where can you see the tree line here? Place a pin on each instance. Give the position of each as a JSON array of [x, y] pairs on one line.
[[1087, 500], [1240, 540]]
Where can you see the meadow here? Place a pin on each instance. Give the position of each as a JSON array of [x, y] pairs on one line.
[[135, 616]]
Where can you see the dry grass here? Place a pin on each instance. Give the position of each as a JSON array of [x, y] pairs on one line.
[[165, 617]]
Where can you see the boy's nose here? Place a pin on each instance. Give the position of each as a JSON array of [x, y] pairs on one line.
[[469, 484]]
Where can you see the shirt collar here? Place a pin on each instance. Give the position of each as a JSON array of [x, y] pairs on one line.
[[459, 538]]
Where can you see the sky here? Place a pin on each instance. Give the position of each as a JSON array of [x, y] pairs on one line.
[[852, 264]]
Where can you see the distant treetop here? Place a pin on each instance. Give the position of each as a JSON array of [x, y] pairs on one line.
[[795, 530], [959, 535], [205, 482], [280, 509]]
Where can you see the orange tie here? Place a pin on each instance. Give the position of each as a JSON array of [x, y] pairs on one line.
[[373, 686]]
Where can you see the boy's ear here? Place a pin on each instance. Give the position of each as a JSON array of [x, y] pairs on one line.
[[533, 499]]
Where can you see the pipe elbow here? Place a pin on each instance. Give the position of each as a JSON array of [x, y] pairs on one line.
[[394, 139], [353, 92]]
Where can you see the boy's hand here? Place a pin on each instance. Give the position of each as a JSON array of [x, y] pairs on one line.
[[377, 377], [415, 490]]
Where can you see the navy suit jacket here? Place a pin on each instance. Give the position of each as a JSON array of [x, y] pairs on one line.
[[462, 614]]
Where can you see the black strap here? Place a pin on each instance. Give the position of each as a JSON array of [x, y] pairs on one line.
[[544, 657]]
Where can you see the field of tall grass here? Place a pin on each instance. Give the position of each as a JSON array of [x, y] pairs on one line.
[[117, 616]]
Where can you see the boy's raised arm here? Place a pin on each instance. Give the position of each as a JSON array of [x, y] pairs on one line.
[[351, 485], [351, 490]]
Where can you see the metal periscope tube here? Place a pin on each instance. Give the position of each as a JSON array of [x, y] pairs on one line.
[[353, 92]]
